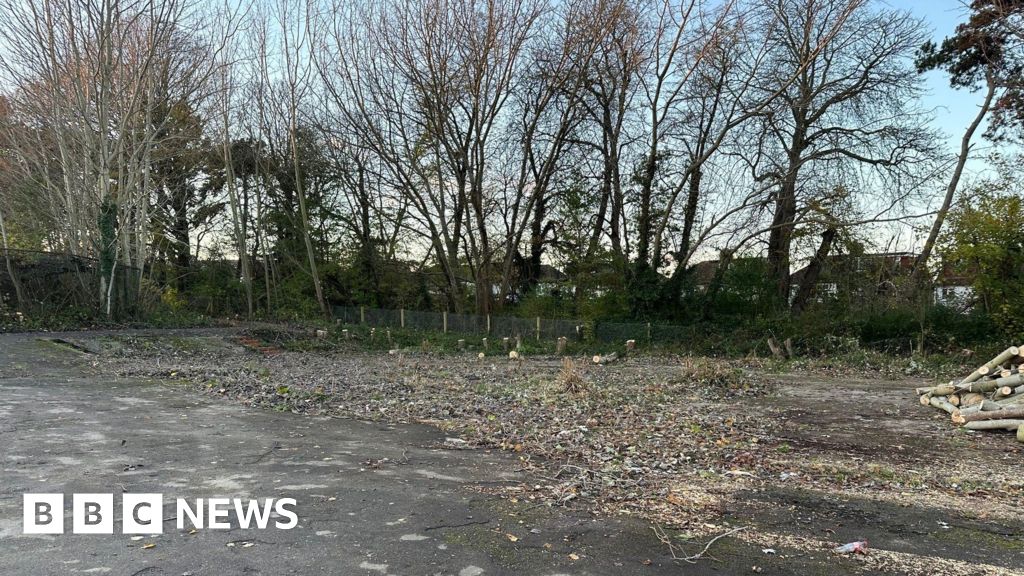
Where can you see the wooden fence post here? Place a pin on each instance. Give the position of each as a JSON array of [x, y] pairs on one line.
[[488, 324], [444, 321], [362, 314], [401, 317], [538, 328]]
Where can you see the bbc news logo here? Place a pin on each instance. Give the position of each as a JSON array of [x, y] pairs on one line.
[[143, 513]]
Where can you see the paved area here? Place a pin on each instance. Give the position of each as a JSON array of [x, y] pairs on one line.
[[372, 499]]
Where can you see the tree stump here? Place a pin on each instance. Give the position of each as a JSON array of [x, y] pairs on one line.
[[560, 346]]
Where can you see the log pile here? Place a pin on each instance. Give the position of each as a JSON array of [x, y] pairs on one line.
[[990, 398]]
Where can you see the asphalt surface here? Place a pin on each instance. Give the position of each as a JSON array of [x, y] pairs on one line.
[[371, 498]]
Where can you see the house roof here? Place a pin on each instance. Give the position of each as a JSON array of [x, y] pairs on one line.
[[954, 274], [549, 273], [704, 272]]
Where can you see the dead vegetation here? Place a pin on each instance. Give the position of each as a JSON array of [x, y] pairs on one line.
[[570, 378], [681, 441]]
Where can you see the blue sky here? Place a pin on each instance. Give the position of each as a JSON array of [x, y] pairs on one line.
[[954, 109]]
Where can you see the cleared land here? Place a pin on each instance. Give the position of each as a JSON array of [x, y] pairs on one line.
[[690, 448]]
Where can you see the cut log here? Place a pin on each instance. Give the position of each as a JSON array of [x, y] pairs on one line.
[[992, 364], [953, 399], [1013, 380], [1020, 433], [970, 399], [942, 404], [940, 390], [959, 417], [978, 386], [1002, 392], [995, 425], [987, 405], [1016, 398], [1008, 412], [976, 375]]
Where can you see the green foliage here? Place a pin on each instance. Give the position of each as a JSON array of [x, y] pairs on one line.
[[984, 241]]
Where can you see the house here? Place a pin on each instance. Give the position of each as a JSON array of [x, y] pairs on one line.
[[858, 275], [703, 273], [954, 286], [550, 280]]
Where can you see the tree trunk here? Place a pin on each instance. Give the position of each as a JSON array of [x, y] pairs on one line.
[[921, 263], [304, 215], [810, 280], [18, 296]]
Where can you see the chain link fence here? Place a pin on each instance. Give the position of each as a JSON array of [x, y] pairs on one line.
[[510, 326], [63, 282]]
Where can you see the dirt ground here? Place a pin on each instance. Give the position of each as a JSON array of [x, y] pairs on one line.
[[791, 463]]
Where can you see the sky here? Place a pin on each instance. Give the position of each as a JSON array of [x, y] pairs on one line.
[[953, 108]]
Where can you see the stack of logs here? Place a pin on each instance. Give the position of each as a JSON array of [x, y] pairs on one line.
[[990, 398]]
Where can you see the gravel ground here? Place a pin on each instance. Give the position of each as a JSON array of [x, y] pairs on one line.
[[697, 446]]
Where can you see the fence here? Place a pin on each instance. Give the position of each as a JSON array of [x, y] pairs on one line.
[[61, 282], [510, 326]]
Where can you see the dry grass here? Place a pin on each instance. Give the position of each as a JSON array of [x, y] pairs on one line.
[[570, 378]]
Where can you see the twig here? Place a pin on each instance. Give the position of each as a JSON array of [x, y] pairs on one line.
[[692, 559], [428, 528], [261, 456]]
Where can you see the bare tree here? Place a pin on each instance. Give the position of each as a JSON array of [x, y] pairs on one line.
[[850, 107]]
